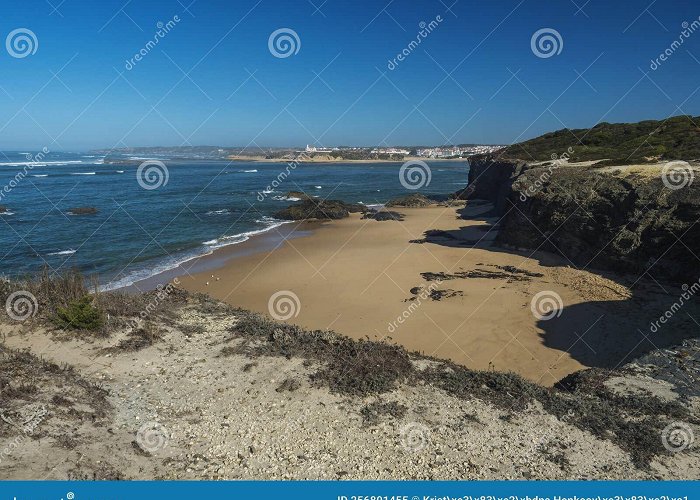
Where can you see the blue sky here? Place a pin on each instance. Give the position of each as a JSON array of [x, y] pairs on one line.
[[213, 80]]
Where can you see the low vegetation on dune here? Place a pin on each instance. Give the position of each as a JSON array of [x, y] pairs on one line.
[[352, 368], [676, 138], [70, 302], [27, 383], [363, 367]]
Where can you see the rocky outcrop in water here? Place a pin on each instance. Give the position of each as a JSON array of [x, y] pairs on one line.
[[311, 208], [623, 219], [83, 211]]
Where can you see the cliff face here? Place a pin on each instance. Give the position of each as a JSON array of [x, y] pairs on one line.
[[490, 179], [621, 219]]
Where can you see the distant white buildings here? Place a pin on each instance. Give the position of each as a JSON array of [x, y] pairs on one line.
[[437, 152], [458, 152], [390, 151], [314, 149]]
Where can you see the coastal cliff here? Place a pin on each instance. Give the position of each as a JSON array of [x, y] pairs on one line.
[[623, 219]]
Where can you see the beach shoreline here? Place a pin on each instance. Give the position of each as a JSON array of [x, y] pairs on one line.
[[267, 240], [363, 278]]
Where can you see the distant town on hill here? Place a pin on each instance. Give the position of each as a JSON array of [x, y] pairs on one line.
[[397, 153]]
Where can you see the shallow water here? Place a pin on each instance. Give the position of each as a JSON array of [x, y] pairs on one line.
[[137, 232]]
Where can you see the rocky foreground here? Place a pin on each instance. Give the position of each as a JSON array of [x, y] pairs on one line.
[[197, 389]]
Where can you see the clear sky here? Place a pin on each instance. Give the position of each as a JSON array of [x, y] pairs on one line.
[[212, 79]]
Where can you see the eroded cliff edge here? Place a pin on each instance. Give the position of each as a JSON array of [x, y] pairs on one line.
[[623, 219]]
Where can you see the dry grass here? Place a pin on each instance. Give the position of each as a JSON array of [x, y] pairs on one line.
[[61, 297], [29, 383]]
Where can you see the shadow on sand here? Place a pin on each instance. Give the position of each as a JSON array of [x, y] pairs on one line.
[[597, 333]]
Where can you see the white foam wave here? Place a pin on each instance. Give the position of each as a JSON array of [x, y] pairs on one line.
[[38, 164], [223, 241], [40, 175], [223, 211], [318, 187], [83, 173], [63, 252], [174, 262], [249, 171], [142, 274], [286, 198]]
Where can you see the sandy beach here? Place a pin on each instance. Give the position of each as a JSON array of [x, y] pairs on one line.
[[356, 277]]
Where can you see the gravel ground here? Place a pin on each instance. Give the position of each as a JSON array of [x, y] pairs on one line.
[[181, 410]]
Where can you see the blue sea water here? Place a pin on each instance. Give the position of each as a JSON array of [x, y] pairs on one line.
[[137, 232]]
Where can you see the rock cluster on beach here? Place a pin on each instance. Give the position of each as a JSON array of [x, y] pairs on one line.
[[313, 208], [383, 215], [415, 200]]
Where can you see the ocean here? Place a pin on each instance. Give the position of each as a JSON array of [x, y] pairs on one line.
[[138, 232]]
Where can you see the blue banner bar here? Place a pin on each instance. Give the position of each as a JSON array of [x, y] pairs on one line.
[[351, 490]]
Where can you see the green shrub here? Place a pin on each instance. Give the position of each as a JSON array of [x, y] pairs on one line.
[[80, 314]]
